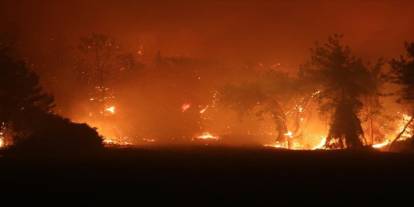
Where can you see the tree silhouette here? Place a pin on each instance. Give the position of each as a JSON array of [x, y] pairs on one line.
[[101, 65], [99, 51], [373, 113], [342, 80], [272, 93], [403, 74], [20, 93]]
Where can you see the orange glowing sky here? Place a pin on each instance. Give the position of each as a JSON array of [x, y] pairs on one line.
[[246, 31]]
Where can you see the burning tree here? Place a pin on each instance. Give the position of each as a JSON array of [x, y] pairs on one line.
[[343, 80], [403, 74]]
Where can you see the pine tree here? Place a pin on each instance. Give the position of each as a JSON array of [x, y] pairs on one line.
[[342, 80]]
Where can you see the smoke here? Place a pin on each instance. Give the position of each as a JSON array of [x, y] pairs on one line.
[[203, 46]]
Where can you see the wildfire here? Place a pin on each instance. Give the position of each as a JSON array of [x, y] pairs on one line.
[[289, 134], [203, 110], [321, 144], [405, 119], [110, 109], [2, 142], [185, 107], [207, 136], [116, 142], [297, 145], [381, 145], [276, 145], [401, 127], [148, 140]]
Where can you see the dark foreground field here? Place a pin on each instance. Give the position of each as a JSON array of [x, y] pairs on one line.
[[210, 173]]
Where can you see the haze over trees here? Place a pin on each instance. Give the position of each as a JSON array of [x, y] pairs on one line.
[[273, 93], [102, 62], [346, 89], [340, 82]]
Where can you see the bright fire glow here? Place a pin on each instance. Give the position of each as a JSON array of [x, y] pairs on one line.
[[207, 136], [289, 134], [185, 107], [111, 109], [381, 145], [321, 144], [116, 142], [276, 145], [203, 110], [148, 140], [1, 142], [400, 127], [405, 119]]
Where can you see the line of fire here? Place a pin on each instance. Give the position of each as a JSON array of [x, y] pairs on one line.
[[131, 98]]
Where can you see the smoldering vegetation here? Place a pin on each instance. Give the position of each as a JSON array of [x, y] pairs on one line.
[[334, 100]]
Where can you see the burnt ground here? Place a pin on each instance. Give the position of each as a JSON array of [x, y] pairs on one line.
[[210, 173]]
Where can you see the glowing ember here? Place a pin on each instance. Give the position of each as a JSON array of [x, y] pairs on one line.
[[148, 140], [111, 109], [289, 134], [294, 146], [316, 93], [203, 110], [277, 145], [185, 107], [207, 136], [116, 142], [2, 144], [381, 145]]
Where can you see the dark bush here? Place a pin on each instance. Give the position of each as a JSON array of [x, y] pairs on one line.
[[53, 134]]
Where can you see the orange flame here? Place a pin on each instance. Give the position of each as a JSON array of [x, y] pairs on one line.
[[110, 109], [207, 136], [185, 107]]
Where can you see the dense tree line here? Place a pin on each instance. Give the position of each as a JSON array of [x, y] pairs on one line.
[[342, 85]]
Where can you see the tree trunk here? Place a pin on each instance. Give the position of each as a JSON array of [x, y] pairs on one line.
[[401, 133]]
